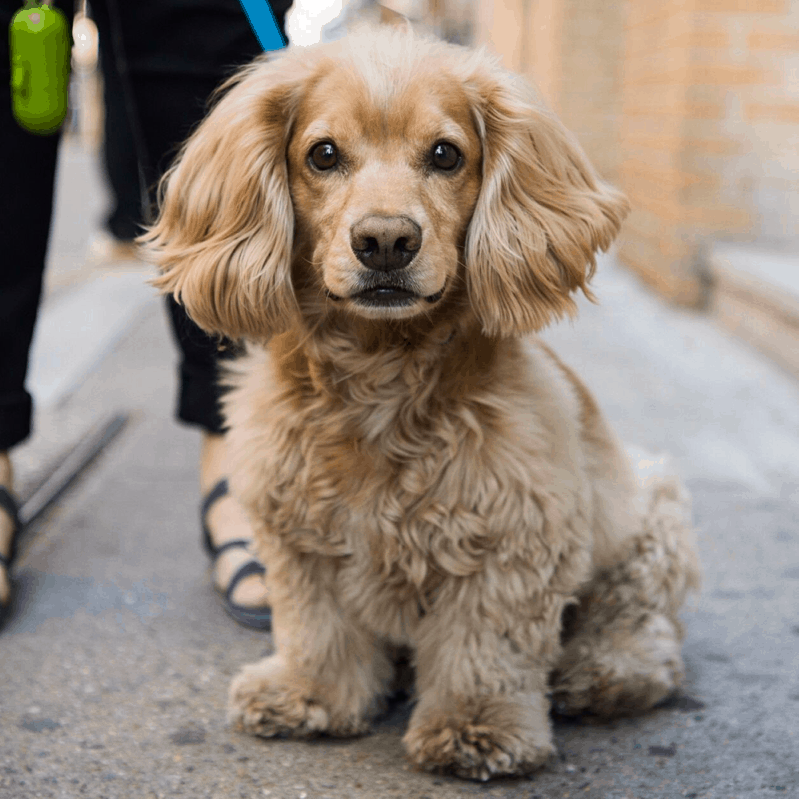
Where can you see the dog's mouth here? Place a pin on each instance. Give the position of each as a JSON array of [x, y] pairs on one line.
[[389, 296]]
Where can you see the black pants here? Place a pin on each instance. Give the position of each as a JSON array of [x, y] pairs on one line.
[[120, 151], [171, 54]]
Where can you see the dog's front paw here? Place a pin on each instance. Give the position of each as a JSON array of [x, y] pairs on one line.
[[265, 699], [483, 738]]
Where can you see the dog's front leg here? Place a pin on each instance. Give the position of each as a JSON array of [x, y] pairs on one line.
[[481, 670], [328, 675]]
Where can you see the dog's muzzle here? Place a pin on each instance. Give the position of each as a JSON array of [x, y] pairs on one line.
[[386, 246]]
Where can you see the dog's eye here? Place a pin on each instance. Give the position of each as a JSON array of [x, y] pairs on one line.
[[324, 156], [445, 156]]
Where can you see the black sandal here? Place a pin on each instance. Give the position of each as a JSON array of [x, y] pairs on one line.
[[260, 618], [9, 505]]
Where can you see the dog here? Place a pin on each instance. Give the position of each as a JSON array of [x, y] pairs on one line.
[[381, 220]]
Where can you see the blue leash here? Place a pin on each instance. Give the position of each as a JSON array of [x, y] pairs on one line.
[[262, 21]]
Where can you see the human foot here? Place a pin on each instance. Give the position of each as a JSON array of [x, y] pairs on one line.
[[9, 527], [228, 538]]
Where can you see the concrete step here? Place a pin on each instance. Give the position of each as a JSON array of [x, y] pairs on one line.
[[755, 295]]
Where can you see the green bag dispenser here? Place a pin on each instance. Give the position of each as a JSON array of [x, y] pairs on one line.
[[40, 60]]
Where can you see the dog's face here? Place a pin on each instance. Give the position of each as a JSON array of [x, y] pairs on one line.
[[376, 177], [383, 191]]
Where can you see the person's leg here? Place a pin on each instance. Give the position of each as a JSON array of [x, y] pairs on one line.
[[175, 53], [26, 200], [124, 219], [198, 404]]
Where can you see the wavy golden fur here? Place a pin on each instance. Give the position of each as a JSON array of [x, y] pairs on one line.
[[381, 219]]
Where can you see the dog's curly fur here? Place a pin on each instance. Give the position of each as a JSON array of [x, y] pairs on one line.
[[415, 473]]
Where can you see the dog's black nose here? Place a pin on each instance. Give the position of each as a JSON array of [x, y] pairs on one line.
[[385, 243]]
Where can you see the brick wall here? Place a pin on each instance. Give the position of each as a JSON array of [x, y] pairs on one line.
[[708, 134], [690, 105], [572, 51], [591, 73]]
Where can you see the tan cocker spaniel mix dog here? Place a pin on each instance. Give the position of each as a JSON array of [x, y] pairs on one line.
[[381, 219]]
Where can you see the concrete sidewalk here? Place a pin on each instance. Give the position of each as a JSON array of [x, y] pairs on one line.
[[117, 658]]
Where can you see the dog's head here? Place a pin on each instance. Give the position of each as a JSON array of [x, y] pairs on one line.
[[379, 176]]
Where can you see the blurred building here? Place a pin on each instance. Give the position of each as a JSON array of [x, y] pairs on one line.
[[691, 106]]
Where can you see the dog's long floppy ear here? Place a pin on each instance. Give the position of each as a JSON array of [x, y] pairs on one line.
[[541, 215], [223, 238]]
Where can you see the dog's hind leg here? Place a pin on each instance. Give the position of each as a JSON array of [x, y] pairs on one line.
[[328, 676], [622, 642]]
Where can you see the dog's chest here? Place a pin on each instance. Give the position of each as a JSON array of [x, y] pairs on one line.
[[401, 492]]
